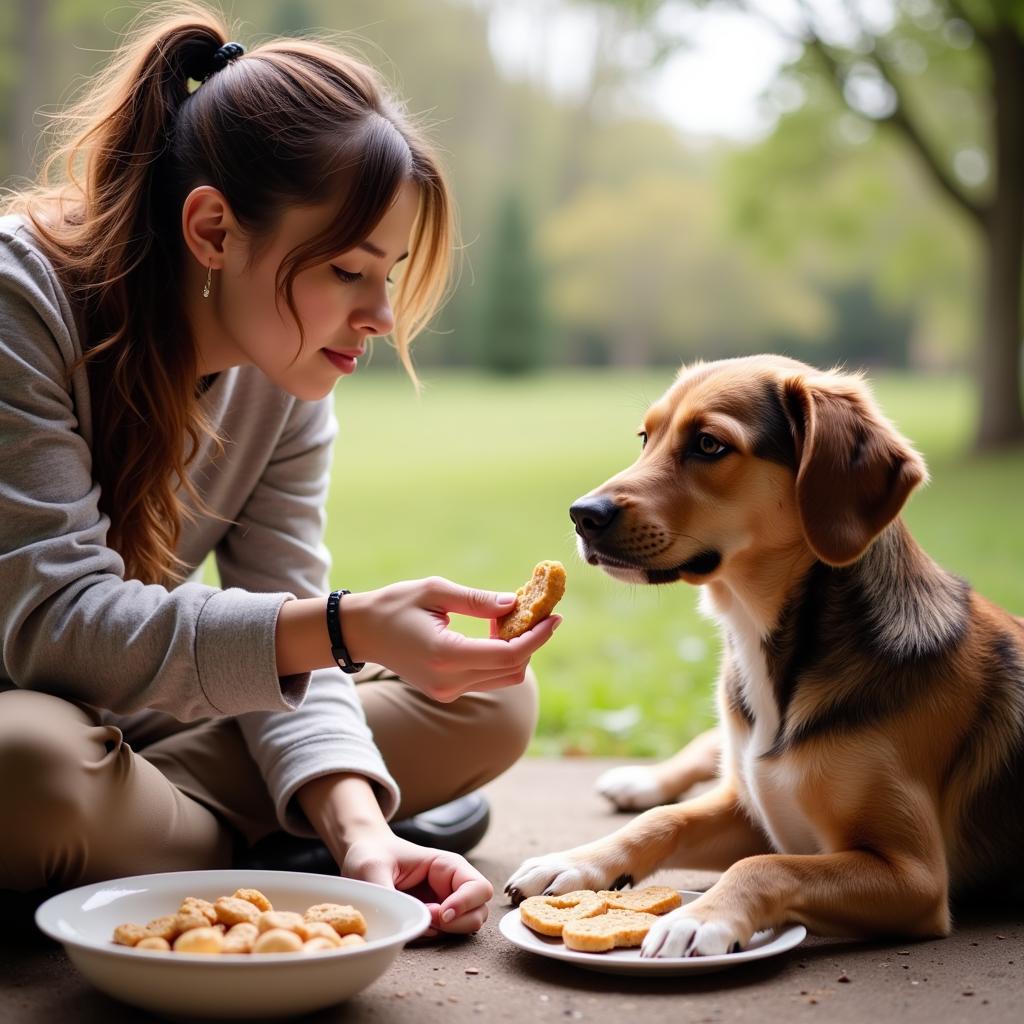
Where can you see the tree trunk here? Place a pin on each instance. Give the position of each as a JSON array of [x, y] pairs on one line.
[[999, 366]]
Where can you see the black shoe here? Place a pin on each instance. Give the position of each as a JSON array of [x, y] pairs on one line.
[[456, 826], [281, 851]]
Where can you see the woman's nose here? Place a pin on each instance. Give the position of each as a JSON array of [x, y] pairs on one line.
[[375, 319]]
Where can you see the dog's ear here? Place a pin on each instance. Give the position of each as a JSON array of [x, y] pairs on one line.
[[854, 471]]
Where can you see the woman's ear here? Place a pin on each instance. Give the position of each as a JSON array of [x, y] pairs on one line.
[[854, 473], [206, 221]]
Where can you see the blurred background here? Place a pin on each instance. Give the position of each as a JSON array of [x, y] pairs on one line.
[[641, 183]]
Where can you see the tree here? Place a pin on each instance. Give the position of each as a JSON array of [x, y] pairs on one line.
[[647, 266], [512, 325], [873, 68]]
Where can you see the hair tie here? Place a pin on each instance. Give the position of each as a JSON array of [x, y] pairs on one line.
[[223, 56]]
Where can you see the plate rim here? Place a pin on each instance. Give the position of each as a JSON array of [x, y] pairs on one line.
[[790, 936]]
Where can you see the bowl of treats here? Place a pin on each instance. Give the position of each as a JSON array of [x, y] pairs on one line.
[[232, 944]]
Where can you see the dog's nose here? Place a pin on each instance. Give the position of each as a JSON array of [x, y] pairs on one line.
[[593, 516]]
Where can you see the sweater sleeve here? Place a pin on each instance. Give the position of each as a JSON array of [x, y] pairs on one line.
[[276, 543], [70, 624]]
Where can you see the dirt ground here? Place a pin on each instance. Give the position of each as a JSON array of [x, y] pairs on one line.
[[543, 805]]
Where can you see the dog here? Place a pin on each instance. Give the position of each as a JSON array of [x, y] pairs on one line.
[[871, 705]]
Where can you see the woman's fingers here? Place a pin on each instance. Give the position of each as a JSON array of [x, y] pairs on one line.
[[467, 923], [481, 604], [471, 895], [465, 890], [471, 653], [505, 668]]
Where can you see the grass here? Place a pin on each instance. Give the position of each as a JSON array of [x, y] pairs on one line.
[[473, 481]]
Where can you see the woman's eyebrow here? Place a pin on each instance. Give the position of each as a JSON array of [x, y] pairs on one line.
[[379, 253]]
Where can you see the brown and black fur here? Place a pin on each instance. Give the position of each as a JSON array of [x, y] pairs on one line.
[[871, 704]]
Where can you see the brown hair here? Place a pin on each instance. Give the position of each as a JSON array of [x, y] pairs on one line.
[[294, 122]]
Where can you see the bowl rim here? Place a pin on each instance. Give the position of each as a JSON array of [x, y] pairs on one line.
[[52, 906]]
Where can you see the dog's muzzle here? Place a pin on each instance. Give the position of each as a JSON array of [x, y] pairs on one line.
[[593, 516]]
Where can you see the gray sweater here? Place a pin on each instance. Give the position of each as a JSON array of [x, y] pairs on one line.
[[73, 626]]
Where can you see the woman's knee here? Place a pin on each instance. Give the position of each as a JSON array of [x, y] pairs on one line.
[[43, 759], [41, 736], [510, 720]]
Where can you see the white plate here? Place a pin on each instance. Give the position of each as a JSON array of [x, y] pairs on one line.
[[228, 986], [629, 961]]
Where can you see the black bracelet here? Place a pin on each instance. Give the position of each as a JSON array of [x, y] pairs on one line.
[[338, 649]]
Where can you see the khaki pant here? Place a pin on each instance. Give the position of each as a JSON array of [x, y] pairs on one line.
[[78, 804]]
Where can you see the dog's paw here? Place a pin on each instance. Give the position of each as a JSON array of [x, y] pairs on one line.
[[557, 873], [680, 933], [631, 787]]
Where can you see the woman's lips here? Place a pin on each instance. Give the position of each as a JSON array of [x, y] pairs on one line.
[[345, 362]]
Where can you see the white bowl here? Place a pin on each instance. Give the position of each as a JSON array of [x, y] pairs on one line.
[[238, 986]]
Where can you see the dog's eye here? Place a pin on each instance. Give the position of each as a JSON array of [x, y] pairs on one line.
[[707, 444], [643, 438]]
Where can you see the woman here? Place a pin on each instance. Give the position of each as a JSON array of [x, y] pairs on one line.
[[174, 314]]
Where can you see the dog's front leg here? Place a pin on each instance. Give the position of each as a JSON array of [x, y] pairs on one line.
[[856, 892], [710, 831]]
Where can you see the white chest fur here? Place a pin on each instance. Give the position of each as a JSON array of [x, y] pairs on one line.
[[767, 787]]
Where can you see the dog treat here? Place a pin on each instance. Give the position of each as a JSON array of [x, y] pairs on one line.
[[200, 940], [129, 934], [235, 924], [193, 905], [653, 899], [165, 927], [307, 930], [286, 919], [548, 915], [343, 919], [255, 897], [606, 931], [277, 940], [241, 938], [595, 922], [535, 600], [232, 910]]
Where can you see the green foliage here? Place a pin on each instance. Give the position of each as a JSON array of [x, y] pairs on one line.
[[647, 263], [512, 323], [862, 333]]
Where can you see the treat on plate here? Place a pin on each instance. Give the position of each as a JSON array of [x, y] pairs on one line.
[[548, 915], [535, 600], [596, 922], [652, 899], [606, 931]]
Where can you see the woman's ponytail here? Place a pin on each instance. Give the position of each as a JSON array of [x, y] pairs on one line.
[[104, 224]]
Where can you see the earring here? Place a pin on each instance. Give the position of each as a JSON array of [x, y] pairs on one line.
[[209, 277]]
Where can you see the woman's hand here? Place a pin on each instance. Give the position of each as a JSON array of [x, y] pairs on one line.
[[454, 892], [345, 813], [405, 627]]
